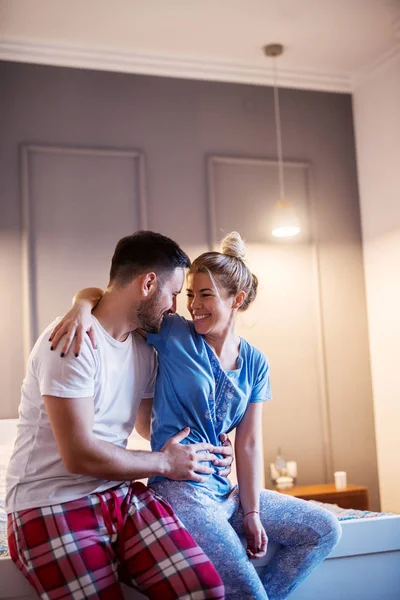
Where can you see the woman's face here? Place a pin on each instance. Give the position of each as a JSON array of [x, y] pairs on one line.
[[211, 309]]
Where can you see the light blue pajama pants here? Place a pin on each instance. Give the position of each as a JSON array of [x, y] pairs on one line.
[[306, 532]]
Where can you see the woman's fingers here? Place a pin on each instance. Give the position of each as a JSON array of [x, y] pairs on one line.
[[255, 536], [70, 330], [92, 337], [257, 545], [53, 333], [68, 340], [61, 331], [79, 341], [253, 542], [260, 550]]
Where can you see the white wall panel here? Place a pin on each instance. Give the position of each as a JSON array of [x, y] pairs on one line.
[[78, 202]]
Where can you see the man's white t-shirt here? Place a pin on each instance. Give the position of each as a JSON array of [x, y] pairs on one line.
[[115, 376]]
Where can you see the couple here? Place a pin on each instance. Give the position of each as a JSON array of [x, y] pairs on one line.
[[78, 523]]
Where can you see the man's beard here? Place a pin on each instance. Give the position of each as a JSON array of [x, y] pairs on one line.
[[149, 314]]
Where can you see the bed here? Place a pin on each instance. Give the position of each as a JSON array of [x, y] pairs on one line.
[[364, 566]]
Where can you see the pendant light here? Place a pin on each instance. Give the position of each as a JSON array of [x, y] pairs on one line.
[[285, 221]]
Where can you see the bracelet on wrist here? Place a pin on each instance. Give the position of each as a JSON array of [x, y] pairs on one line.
[[251, 512]]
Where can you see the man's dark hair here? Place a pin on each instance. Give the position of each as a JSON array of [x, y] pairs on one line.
[[146, 251]]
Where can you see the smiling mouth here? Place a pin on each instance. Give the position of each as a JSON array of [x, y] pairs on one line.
[[200, 317]]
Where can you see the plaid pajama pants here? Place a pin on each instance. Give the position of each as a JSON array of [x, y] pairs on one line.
[[86, 547]]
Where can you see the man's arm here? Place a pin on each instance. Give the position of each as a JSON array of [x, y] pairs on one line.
[[83, 453], [143, 418]]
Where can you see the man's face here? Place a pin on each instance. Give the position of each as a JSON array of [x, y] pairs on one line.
[[152, 310]]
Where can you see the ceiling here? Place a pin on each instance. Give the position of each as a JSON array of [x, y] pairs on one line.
[[330, 44]]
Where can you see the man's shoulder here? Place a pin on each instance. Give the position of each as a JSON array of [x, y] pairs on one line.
[[43, 356], [140, 343], [43, 341]]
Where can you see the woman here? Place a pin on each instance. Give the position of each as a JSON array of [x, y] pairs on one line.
[[213, 381]]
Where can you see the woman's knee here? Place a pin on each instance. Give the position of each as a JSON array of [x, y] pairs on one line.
[[332, 530]]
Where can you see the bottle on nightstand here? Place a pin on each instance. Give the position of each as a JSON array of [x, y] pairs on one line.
[[280, 464], [280, 475]]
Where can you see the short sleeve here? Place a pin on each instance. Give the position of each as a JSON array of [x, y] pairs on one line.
[[67, 377], [262, 388]]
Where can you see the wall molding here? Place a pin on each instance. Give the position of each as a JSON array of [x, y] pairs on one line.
[[104, 59], [29, 284], [323, 389], [63, 55], [380, 63]]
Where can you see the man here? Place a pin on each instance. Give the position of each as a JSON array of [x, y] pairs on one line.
[[78, 523]]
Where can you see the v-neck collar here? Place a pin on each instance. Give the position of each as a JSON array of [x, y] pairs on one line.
[[239, 360]]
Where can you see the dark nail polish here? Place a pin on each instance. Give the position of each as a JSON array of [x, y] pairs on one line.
[[49, 339], [51, 348], [76, 355], [62, 354]]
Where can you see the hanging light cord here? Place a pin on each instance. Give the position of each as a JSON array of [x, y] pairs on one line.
[[278, 132]]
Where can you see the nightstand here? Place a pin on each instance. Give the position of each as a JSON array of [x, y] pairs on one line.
[[353, 496]]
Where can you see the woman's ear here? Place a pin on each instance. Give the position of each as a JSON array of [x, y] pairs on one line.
[[239, 299], [148, 283]]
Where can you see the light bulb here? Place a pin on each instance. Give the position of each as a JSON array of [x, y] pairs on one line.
[[286, 231], [285, 221]]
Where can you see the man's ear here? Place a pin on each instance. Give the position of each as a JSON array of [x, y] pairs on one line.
[[148, 283], [239, 299]]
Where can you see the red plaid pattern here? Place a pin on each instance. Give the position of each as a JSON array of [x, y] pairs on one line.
[[85, 548]]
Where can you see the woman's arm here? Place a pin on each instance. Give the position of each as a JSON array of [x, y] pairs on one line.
[[77, 321], [143, 418], [248, 466]]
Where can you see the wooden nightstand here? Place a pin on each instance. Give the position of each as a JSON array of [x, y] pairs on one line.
[[353, 496]]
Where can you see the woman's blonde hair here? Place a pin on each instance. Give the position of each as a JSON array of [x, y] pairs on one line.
[[228, 270]]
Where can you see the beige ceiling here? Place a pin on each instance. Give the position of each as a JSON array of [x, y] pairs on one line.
[[329, 44]]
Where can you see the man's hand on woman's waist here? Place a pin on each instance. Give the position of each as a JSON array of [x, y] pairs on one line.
[[226, 451]]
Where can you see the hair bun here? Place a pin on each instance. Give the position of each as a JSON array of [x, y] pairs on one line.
[[233, 245]]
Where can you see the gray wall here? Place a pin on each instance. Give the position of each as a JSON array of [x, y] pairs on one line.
[[177, 124]]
